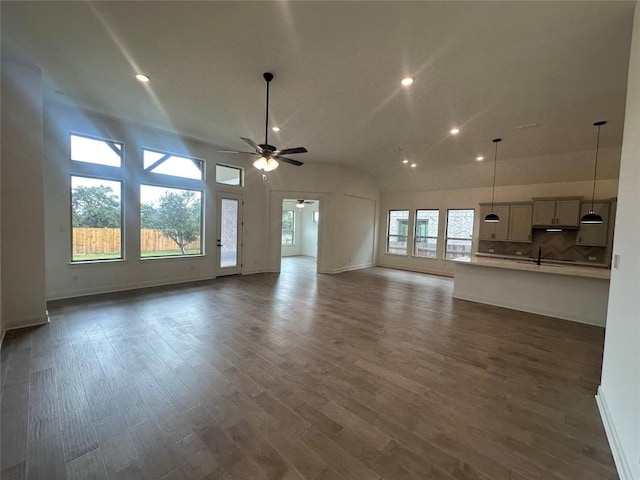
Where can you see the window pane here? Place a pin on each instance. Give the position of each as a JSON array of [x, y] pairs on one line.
[[426, 233], [228, 175], [398, 230], [229, 233], [288, 227], [170, 221], [91, 150], [168, 164], [459, 233], [96, 219]]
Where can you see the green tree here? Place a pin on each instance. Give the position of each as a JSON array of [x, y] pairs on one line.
[[148, 215], [178, 216], [95, 207]]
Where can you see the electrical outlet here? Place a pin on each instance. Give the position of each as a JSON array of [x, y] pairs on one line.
[[491, 250], [616, 261], [593, 259]]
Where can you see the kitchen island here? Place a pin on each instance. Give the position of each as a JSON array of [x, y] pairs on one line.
[[570, 292]]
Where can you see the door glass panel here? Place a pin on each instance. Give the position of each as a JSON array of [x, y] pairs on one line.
[[229, 233]]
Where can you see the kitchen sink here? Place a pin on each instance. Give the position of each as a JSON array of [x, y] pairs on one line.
[[531, 262]]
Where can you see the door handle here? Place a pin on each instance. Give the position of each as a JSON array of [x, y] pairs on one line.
[[219, 244]]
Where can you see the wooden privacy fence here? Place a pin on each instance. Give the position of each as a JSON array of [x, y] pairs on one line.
[[107, 240]]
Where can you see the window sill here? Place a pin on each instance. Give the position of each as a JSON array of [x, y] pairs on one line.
[[90, 263], [171, 257]]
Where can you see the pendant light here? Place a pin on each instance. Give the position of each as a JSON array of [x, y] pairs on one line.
[[492, 217], [592, 217]]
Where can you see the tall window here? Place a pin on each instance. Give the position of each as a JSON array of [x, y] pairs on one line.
[[425, 239], [288, 227], [170, 221], [397, 232], [459, 233], [96, 219], [171, 213], [96, 198]]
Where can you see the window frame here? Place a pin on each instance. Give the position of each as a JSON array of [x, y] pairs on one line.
[[388, 234], [83, 164], [153, 174], [121, 181], [447, 237], [293, 229], [202, 220], [427, 237], [234, 167]]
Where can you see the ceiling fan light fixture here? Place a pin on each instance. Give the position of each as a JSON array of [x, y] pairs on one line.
[[260, 163], [592, 217], [271, 165], [300, 204]]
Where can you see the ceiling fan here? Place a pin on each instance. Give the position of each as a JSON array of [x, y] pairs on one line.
[[268, 154], [303, 203]]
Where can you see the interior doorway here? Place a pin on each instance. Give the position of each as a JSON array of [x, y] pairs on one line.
[[299, 236]]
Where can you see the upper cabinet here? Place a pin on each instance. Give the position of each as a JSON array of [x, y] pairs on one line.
[[514, 224], [594, 234], [556, 212], [520, 223]]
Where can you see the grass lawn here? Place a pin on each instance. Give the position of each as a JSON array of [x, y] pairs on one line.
[[114, 256]]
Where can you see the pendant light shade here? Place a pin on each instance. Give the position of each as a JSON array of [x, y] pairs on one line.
[[492, 217], [592, 217]]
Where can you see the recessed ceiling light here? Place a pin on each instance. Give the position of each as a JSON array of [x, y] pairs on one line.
[[406, 81], [454, 131], [413, 165], [142, 77], [275, 129], [405, 161], [479, 158]]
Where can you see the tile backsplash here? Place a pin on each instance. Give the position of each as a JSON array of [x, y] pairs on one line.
[[555, 245]]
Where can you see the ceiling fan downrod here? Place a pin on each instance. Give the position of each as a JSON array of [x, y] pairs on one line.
[[268, 77]]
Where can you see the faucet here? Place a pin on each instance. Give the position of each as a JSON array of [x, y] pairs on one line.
[[537, 260]]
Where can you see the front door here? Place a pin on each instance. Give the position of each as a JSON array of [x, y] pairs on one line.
[[229, 234]]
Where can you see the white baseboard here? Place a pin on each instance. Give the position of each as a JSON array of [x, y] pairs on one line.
[[526, 308], [24, 322], [125, 287], [440, 273], [619, 456], [348, 268]]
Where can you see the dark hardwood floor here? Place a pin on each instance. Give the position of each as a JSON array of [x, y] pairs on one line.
[[371, 374]]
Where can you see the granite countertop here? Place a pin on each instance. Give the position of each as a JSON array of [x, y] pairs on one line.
[[529, 266]]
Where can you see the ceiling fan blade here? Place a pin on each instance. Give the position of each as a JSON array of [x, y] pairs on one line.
[[288, 160], [289, 151], [253, 144], [237, 151]]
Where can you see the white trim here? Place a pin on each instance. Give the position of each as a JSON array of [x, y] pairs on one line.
[[619, 456], [125, 287], [333, 271], [529, 309], [33, 321]]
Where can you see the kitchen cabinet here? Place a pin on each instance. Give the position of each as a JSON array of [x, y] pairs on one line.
[[594, 234], [494, 231], [514, 224], [520, 223], [556, 212]]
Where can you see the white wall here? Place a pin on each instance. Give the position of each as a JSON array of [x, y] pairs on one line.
[[309, 240], [23, 274], [619, 393], [468, 198]]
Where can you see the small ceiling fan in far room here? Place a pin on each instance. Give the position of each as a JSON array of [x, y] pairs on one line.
[[303, 203], [269, 156]]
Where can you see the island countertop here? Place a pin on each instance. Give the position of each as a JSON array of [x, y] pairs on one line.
[[530, 266]]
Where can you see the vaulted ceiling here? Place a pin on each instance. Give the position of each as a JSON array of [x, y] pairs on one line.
[[488, 68]]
